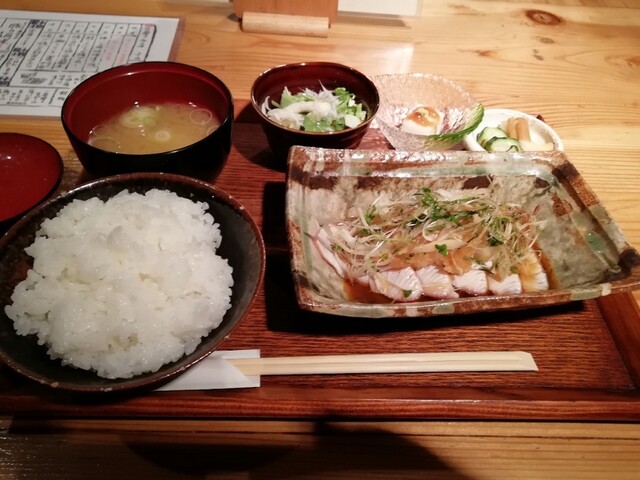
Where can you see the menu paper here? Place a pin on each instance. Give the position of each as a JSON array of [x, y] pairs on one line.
[[44, 55]]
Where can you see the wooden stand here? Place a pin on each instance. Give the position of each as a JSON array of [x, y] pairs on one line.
[[286, 17]]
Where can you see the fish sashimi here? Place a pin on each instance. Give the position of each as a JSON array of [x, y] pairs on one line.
[[510, 285], [436, 244], [473, 282], [323, 244], [532, 274], [435, 283], [402, 285]]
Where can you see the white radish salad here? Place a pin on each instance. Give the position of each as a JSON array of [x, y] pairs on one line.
[[323, 111]]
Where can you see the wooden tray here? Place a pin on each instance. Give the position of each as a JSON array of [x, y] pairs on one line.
[[588, 353]]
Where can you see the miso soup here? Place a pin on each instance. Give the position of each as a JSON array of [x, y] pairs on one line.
[[154, 128]]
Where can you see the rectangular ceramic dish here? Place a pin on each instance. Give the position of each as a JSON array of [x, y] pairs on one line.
[[587, 252]]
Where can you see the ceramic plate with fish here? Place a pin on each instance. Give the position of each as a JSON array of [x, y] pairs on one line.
[[380, 233]]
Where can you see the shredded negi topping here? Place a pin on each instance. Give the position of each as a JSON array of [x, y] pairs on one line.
[[323, 111], [452, 230]]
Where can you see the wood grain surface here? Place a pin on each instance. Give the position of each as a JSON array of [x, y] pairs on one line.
[[327, 9], [573, 62], [164, 450]]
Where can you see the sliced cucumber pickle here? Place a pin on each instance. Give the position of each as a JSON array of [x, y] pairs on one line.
[[503, 145], [489, 133]]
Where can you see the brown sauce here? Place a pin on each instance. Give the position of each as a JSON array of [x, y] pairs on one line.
[[362, 293]]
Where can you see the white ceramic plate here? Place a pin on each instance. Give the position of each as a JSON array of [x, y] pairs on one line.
[[497, 117]]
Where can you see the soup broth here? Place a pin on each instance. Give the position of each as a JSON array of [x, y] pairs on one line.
[[154, 128]]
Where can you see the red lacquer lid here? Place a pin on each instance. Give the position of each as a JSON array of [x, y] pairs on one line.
[[30, 170]]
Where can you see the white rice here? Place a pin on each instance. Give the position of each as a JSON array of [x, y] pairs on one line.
[[124, 286]]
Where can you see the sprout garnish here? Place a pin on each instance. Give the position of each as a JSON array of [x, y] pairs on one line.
[[417, 229]]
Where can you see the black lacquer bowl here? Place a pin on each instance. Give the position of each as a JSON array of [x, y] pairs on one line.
[[242, 245]]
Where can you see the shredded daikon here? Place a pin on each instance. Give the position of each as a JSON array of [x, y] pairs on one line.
[[323, 111]]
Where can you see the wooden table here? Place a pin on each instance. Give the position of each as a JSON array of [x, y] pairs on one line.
[[573, 62]]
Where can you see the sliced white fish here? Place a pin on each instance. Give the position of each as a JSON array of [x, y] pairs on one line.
[[323, 245], [435, 283], [473, 282], [402, 285], [532, 275], [510, 285]]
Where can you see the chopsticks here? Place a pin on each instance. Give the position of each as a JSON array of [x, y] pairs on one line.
[[499, 361]]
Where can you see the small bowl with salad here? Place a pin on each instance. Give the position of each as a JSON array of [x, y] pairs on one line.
[[314, 104], [505, 130], [422, 111]]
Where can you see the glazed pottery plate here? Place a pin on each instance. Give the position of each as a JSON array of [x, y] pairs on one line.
[[583, 247]]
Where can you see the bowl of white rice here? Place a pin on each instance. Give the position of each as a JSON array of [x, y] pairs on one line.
[[125, 282]]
